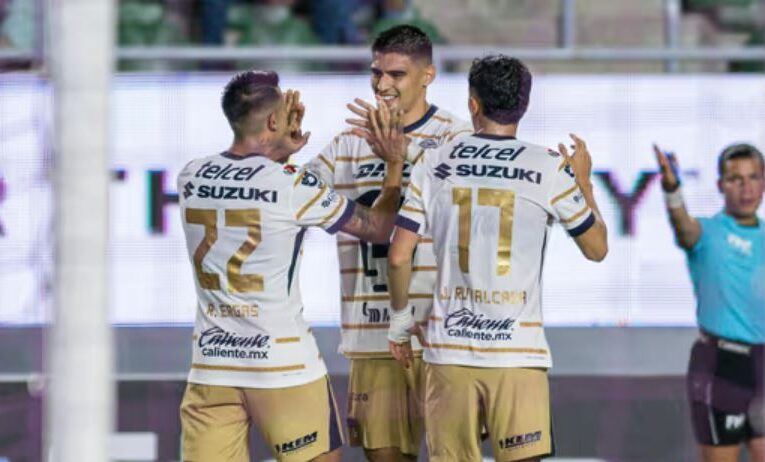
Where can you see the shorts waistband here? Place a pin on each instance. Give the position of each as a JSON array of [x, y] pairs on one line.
[[732, 346]]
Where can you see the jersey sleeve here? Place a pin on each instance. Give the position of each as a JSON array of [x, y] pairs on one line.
[[460, 128], [323, 164], [411, 215], [705, 224], [567, 203], [314, 203]]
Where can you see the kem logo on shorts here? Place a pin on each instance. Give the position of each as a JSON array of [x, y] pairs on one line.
[[299, 443], [519, 440]]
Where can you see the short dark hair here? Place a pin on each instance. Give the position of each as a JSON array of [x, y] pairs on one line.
[[249, 91], [406, 40], [738, 151], [502, 85]]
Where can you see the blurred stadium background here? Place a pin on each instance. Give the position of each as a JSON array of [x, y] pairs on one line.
[[688, 75]]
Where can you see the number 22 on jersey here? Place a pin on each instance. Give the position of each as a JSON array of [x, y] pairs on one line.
[[238, 218]]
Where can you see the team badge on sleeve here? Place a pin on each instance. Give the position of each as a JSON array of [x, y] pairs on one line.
[[311, 180]]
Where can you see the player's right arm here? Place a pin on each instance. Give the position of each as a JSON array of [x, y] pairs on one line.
[[386, 137], [686, 228], [586, 226], [375, 224]]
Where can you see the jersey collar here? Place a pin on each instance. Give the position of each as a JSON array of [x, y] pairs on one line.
[[414, 126], [231, 156], [490, 136]]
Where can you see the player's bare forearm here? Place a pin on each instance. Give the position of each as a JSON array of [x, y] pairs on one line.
[[400, 269], [388, 201], [374, 224], [399, 276], [594, 242]]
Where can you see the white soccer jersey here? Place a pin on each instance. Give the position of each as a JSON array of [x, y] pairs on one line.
[[244, 220], [489, 203], [348, 165]]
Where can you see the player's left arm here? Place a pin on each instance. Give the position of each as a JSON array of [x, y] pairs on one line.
[[402, 325], [410, 225]]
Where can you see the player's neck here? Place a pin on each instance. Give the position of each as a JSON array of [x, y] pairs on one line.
[[416, 113], [489, 127], [248, 146], [744, 220]]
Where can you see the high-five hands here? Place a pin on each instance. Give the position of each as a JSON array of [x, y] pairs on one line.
[[381, 128]]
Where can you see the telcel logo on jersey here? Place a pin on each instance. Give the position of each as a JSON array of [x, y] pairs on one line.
[[470, 151], [465, 323], [299, 443], [212, 171], [218, 343]]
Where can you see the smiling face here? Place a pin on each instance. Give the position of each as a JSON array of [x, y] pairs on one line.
[[742, 184], [401, 82]]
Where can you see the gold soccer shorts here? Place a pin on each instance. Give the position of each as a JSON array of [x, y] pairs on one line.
[[385, 405], [513, 404], [299, 423]]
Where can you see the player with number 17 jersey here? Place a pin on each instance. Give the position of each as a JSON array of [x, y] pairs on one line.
[[488, 202]]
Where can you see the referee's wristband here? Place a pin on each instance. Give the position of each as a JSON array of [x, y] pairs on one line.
[[674, 199], [401, 323]]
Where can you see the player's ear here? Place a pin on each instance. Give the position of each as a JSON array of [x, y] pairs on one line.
[[429, 75], [474, 106], [271, 122]]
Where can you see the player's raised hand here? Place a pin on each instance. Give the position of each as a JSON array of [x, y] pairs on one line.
[[580, 161], [383, 131], [668, 167], [295, 109], [295, 116], [362, 109]]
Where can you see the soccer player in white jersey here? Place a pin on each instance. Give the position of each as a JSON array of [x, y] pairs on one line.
[[244, 213], [385, 405], [489, 199]]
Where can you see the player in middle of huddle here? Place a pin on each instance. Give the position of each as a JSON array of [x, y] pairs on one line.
[[385, 407]]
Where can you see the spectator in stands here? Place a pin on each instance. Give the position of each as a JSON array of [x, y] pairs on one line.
[[271, 22], [396, 12], [145, 23], [333, 21]]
